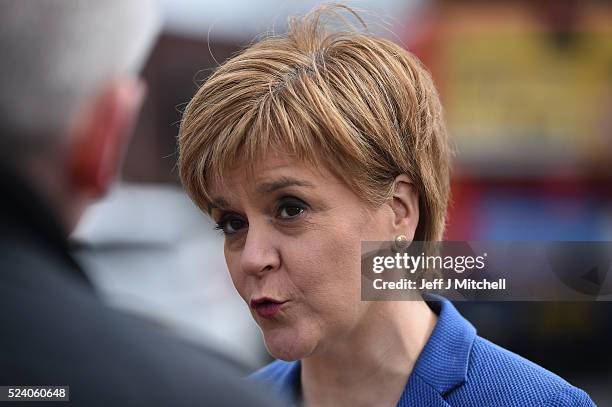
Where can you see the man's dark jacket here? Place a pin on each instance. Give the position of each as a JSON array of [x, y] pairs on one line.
[[55, 331]]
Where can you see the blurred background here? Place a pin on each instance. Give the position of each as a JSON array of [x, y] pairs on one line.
[[527, 88]]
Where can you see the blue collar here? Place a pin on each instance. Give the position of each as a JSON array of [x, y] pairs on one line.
[[441, 367], [443, 363]]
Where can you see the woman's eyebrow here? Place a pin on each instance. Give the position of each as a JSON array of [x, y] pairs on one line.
[[219, 203], [268, 187]]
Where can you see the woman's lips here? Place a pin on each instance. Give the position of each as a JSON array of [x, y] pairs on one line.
[[266, 307]]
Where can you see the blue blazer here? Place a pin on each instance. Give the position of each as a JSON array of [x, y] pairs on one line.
[[458, 368]]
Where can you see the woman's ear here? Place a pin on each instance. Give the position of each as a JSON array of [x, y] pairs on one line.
[[405, 205], [101, 134]]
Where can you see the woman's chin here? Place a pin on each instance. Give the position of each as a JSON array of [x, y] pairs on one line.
[[288, 345]]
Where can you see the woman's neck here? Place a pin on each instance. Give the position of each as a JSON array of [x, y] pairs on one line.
[[371, 365]]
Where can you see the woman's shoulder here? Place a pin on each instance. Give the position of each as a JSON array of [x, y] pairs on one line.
[[499, 374], [468, 370]]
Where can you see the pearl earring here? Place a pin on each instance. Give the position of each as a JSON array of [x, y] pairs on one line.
[[401, 242]]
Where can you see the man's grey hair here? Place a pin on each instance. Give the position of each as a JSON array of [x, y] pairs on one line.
[[55, 54]]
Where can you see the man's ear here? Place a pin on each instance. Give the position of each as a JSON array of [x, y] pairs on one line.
[[405, 205], [100, 135]]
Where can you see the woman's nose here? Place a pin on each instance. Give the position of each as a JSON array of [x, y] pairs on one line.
[[259, 254]]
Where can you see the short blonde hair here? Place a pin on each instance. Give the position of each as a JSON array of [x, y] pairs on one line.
[[360, 105]]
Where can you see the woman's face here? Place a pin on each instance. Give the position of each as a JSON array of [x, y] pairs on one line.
[[292, 245]]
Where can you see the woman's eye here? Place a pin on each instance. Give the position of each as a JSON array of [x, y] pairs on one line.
[[231, 225], [288, 211]]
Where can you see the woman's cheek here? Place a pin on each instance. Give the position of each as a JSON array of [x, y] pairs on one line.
[[325, 274]]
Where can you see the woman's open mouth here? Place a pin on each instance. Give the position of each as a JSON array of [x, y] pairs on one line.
[[266, 307]]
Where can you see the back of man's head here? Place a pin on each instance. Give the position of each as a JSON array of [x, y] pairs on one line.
[[69, 80], [57, 53]]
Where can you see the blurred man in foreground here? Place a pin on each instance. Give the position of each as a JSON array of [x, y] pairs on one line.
[[70, 94]]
